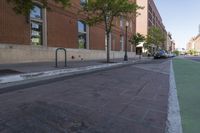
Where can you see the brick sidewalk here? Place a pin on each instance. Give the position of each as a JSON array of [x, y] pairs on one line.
[[9, 69]]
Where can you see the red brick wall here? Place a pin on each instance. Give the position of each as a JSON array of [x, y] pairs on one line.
[[97, 38], [61, 28], [13, 28], [116, 40]]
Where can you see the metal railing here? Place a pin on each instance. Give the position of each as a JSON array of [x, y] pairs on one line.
[[56, 56]]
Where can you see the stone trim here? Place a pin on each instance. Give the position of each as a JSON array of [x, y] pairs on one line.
[[174, 118]]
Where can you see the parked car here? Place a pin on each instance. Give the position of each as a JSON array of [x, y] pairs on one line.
[[171, 55], [160, 54]]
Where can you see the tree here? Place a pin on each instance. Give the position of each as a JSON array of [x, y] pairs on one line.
[[155, 36], [148, 48], [105, 11], [24, 6], [192, 52], [136, 39], [176, 52]]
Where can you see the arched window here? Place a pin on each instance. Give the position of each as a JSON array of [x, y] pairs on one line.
[[36, 12], [83, 2]]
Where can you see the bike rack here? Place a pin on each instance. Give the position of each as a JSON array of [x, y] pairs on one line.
[[56, 56]]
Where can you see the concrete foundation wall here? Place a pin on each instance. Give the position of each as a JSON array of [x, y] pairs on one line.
[[28, 53]]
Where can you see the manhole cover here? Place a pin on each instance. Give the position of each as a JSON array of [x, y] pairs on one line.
[[6, 72]]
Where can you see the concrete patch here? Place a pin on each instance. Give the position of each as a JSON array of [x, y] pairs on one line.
[[158, 68], [174, 118]]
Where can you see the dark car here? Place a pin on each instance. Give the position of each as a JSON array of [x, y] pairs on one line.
[[161, 54]]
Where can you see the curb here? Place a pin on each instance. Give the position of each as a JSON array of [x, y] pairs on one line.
[[34, 75], [173, 124], [40, 78]]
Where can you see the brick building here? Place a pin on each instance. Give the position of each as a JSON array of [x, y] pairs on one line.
[[35, 38], [173, 46], [194, 44], [148, 17], [170, 47]]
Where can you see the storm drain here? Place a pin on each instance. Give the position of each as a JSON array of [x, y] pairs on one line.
[[6, 72]]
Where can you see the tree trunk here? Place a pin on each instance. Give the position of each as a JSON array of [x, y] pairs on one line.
[[108, 46]]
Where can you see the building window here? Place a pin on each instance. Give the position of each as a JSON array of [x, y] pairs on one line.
[[121, 22], [150, 8], [36, 33], [113, 42], [82, 35], [150, 24], [36, 25], [36, 12], [131, 26], [122, 42], [83, 2], [150, 16]]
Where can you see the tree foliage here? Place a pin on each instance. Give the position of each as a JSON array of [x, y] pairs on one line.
[[136, 39], [155, 36], [176, 52], [24, 6], [192, 52], [148, 47], [105, 11]]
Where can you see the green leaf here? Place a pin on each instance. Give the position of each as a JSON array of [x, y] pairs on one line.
[[24, 6], [136, 39]]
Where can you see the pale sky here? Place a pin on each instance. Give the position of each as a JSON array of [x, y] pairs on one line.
[[181, 18]]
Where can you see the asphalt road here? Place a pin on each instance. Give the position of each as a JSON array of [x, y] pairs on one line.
[[131, 99], [194, 58]]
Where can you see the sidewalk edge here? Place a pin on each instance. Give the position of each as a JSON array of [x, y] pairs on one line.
[[173, 124], [53, 78]]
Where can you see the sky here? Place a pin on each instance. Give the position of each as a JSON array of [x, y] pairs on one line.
[[181, 18]]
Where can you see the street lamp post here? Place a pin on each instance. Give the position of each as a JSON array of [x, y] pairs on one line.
[[125, 55]]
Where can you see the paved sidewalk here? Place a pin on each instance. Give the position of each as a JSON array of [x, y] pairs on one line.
[[47, 66], [10, 73]]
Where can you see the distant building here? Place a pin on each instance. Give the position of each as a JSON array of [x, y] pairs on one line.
[[170, 47], [173, 48], [194, 44], [199, 29], [190, 44], [169, 42], [148, 17]]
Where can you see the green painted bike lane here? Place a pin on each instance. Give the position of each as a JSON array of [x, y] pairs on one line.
[[187, 76]]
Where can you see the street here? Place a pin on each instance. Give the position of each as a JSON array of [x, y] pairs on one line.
[[99, 66], [130, 99]]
